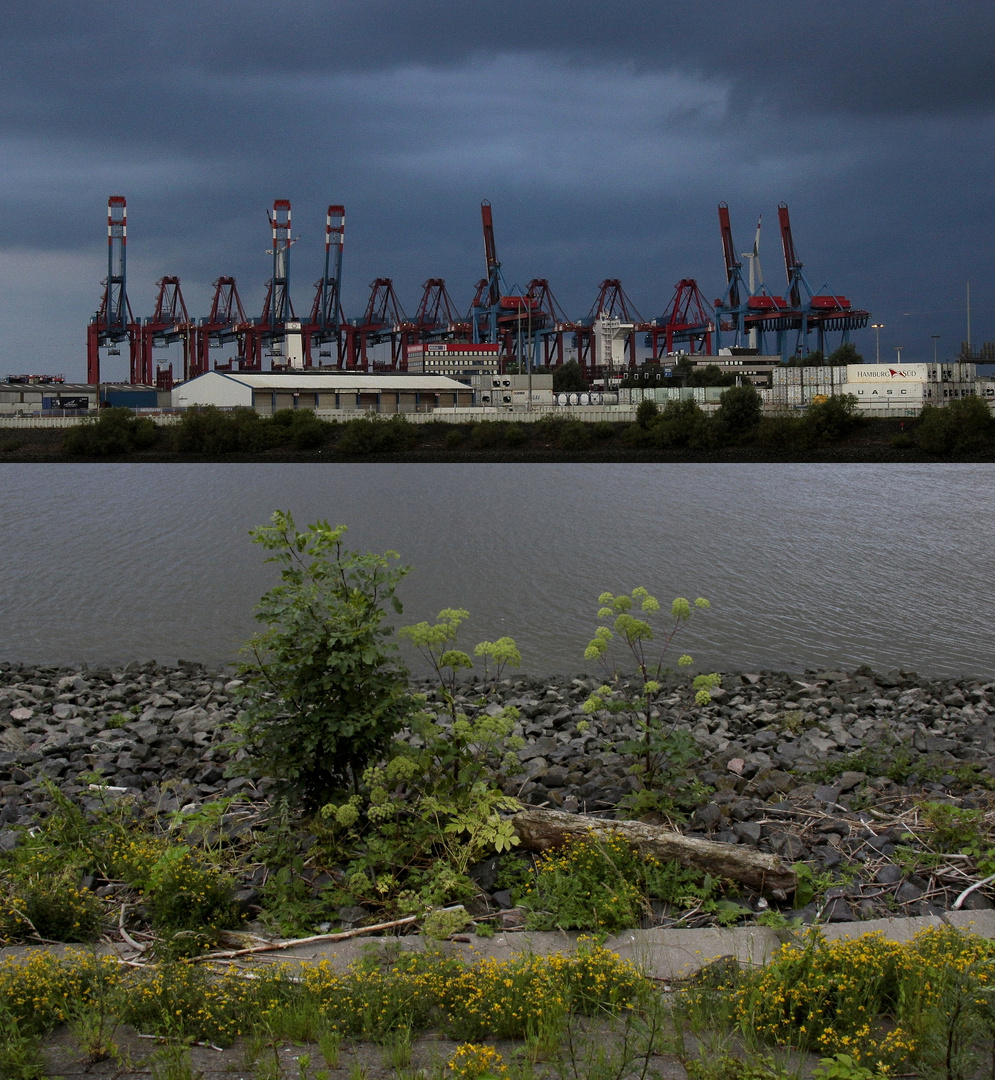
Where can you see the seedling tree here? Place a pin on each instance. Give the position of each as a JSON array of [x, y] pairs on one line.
[[662, 751], [323, 691]]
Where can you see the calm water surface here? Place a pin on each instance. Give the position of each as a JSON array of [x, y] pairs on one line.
[[805, 565]]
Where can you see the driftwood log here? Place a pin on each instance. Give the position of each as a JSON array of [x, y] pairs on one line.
[[539, 830]]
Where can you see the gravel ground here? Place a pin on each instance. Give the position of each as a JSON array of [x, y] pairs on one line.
[[163, 734]]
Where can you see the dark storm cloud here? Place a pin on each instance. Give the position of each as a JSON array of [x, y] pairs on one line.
[[862, 57], [604, 134]]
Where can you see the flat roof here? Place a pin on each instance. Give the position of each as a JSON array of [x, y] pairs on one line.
[[287, 381]]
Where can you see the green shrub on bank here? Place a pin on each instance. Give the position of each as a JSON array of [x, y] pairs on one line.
[[302, 429], [213, 431], [964, 426], [190, 903], [678, 424], [114, 433], [834, 418], [323, 693], [376, 435], [49, 906], [487, 434], [740, 410]]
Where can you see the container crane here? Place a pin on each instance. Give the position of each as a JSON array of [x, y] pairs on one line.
[[550, 322], [823, 312], [498, 317], [226, 323], [113, 321], [436, 317], [384, 320], [687, 321], [750, 311], [169, 323], [326, 322], [731, 307], [612, 306]]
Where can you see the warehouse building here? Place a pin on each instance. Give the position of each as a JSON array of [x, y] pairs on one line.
[[26, 398], [266, 392]]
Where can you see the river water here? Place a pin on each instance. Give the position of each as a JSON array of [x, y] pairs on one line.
[[804, 565]]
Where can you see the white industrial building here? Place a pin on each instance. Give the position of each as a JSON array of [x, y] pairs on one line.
[[266, 392], [454, 358]]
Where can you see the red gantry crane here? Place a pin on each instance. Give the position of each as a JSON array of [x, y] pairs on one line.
[[169, 323]]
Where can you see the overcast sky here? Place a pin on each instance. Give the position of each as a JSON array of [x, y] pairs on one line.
[[603, 134]]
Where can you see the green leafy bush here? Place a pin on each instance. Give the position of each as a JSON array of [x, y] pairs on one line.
[[677, 424], [646, 413], [574, 435], [323, 693], [740, 409], [963, 426], [433, 808], [302, 429], [210, 430], [111, 434], [833, 418], [488, 433], [782, 431], [514, 434], [375, 435], [568, 378]]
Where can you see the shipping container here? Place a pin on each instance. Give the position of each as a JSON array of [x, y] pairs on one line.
[[881, 391], [862, 373]]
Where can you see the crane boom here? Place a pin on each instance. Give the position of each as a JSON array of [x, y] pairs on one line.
[[490, 254], [729, 253], [791, 263]]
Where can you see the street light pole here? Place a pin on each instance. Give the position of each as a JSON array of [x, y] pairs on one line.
[[898, 349], [936, 338], [532, 351], [877, 327]]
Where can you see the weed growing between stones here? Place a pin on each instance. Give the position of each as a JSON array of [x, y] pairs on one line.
[[189, 901], [602, 883], [661, 750]]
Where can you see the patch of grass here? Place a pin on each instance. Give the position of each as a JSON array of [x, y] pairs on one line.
[[602, 884], [903, 765]]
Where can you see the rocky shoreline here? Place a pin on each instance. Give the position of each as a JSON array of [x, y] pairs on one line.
[[829, 767]]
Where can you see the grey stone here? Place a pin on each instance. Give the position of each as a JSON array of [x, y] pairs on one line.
[[827, 794], [837, 910], [707, 815], [556, 776], [907, 892], [789, 847], [351, 914], [749, 832], [889, 874]]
